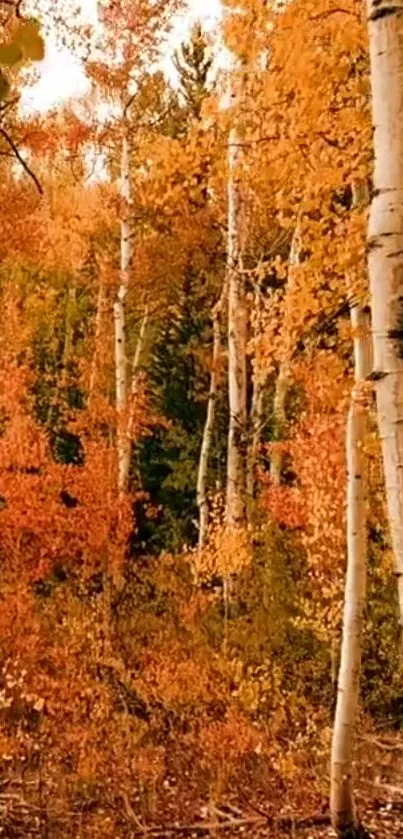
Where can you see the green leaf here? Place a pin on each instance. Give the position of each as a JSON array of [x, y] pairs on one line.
[[30, 41], [10, 54], [4, 86]]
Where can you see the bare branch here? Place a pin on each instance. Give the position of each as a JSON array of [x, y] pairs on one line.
[[8, 104], [21, 160], [336, 11]]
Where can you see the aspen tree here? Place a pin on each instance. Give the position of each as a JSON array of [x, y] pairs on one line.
[[344, 818], [385, 261]]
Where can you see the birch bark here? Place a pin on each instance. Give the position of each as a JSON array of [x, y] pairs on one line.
[[209, 425], [256, 409], [342, 806], [237, 332], [343, 813], [126, 252], [385, 260]]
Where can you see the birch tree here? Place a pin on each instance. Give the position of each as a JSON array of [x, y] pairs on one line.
[[256, 408], [209, 423], [237, 334], [121, 373], [344, 817], [385, 261]]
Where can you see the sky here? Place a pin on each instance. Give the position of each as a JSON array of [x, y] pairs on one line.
[[61, 76]]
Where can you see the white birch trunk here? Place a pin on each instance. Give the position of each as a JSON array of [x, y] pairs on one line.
[[256, 409], [209, 426], [237, 332], [344, 818], [385, 261], [126, 252], [342, 799], [133, 393]]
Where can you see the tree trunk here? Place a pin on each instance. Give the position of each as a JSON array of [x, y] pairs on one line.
[[133, 393], [344, 818], [256, 409], [209, 426], [126, 252], [385, 260], [237, 332]]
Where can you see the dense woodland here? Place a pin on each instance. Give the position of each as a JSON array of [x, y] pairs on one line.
[[201, 414]]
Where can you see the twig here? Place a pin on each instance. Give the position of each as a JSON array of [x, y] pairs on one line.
[[21, 160], [8, 104], [386, 747], [199, 827], [338, 11], [278, 822], [131, 814], [389, 788]]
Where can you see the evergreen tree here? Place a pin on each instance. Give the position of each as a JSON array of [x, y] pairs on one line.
[[193, 63], [178, 371]]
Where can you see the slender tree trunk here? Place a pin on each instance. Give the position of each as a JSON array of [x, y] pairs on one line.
[[283, 378], [237, 332], [126, 252], [99, 318], [209, 425], [385, 236], [256, 409], [133, 393], [344, 818], [342, 799]]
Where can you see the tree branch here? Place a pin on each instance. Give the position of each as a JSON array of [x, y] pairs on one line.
[[280, 823], [21, 160], [337, 11]]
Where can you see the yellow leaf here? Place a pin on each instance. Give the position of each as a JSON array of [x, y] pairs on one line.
[[30, 41], [4, 86], [10, 54]]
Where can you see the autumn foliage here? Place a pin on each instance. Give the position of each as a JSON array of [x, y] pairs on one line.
[[145, 680]]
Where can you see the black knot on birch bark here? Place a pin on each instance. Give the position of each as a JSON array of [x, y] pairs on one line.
[[396, 333], [382, 10]]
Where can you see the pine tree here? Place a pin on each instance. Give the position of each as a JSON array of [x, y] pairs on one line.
[[193, 63]]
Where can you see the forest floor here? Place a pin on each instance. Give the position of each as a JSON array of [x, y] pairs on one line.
[[382, 816], [246, 808], [299, 813]]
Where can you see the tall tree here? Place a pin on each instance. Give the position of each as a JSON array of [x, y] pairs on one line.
[[344, 817], [208, 431], [237, 334], [193, 63], [131, 35], [126, 253], [385, 260]]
